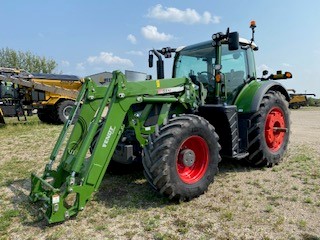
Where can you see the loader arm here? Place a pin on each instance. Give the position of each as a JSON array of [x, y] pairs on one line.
[[66, 189]]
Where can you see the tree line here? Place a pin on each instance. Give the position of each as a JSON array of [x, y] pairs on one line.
[[313, 102], [26, 60]]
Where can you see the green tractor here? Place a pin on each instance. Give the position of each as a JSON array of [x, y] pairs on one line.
[[179, 128]]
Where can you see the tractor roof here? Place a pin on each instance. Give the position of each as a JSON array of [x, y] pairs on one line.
[[242, 41]]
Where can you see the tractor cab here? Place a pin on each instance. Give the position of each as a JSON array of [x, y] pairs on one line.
[[198, 62], [220, 67]]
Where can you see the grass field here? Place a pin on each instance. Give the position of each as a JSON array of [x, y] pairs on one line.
[[282, 202]]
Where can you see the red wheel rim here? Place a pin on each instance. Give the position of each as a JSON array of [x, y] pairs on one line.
[[275, 129], [192, 159]]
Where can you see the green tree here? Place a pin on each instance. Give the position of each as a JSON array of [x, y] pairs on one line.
[[26, 60], [311, 101]]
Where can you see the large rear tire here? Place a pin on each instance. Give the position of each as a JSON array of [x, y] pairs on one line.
[[269, 131], [181, 160]]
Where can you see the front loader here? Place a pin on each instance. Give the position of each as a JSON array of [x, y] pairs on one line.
[[213, 107]]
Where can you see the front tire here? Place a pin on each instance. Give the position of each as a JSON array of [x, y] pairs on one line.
[[269, 131], [182, 158]]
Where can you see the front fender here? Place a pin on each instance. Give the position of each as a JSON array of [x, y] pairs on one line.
[[251, 95]]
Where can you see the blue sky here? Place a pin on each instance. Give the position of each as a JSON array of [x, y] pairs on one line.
[[87, 37]]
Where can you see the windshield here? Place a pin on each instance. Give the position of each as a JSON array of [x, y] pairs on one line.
[[198, 62]]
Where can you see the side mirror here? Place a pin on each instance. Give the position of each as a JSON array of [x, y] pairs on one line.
[[150, 60], [265, 72], [233, 41]]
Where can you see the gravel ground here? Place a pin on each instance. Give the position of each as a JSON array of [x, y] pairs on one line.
[[282, 202], [306, 127]]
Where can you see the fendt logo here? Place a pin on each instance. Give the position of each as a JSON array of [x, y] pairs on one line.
[[109, 134]]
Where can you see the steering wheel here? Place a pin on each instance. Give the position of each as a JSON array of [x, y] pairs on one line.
[[205, 80], [207, 73]]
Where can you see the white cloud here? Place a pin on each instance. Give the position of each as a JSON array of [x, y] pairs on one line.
[[109, 59], [65, 63], [132, 39], [80, 66], [40, 35], [263, 67], [286, 65], [102, 62], [188, 16], [216, 19], [151, 33], [137, 53]]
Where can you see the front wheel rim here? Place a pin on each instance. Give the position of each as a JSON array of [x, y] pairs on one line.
[[193, 166], [275, 129]]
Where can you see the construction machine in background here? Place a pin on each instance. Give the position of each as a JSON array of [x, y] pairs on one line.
[[52, 95], [213, 106], [54, 103], [297, 100]]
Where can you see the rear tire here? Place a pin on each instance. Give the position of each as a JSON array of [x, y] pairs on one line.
[[45, 115], [269, 131], [181, 160], [63, 110]]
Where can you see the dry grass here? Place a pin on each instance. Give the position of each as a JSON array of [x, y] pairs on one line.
[[244, 203]]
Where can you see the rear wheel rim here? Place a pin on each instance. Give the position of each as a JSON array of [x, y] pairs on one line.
[[67, 111], [192, 159], [275, 129]]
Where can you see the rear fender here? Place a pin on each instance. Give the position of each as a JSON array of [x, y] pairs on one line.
[[251, 95]]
